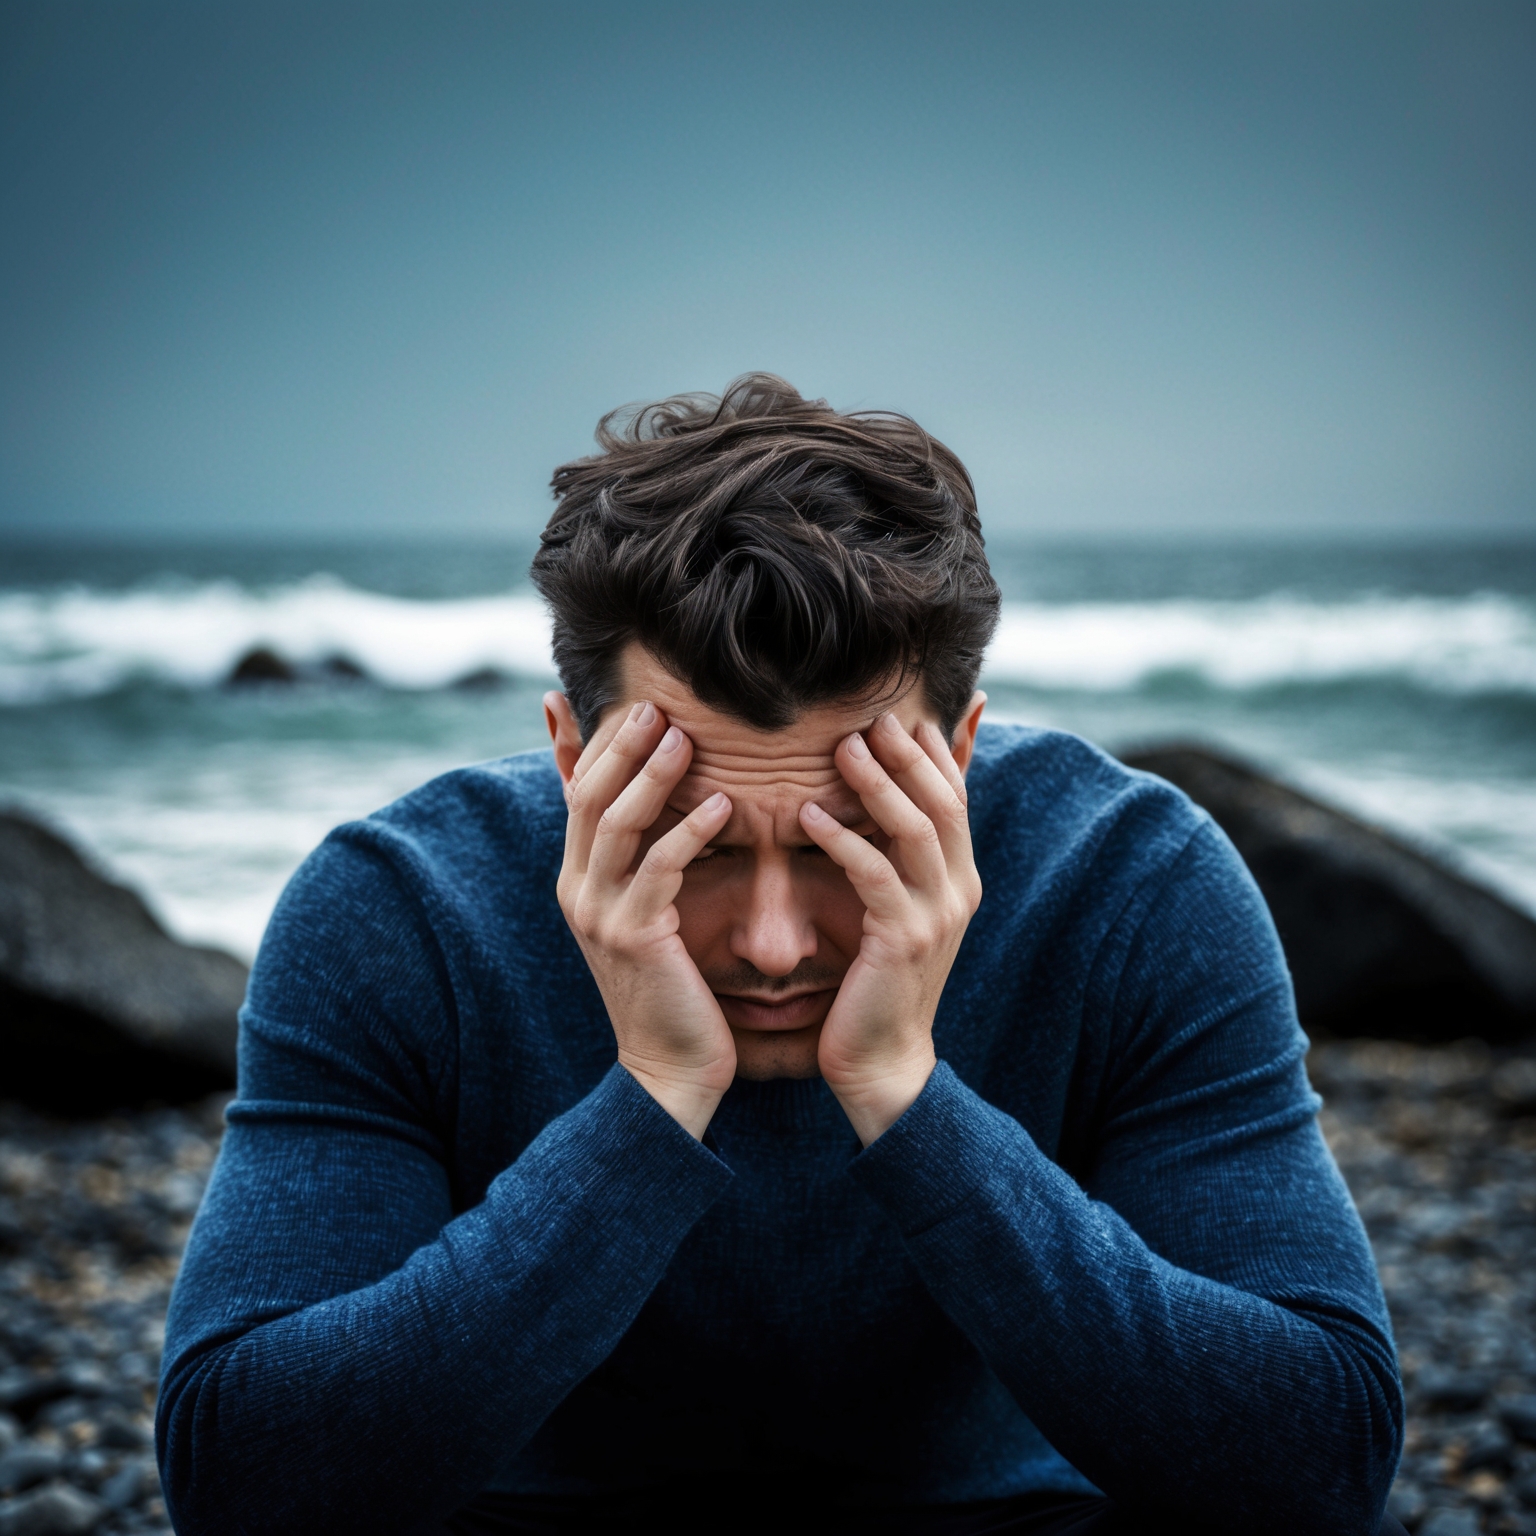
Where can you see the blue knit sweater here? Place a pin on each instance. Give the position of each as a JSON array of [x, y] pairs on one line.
[[449, 1245]]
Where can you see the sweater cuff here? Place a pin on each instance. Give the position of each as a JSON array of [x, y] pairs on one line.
[[619, 1155], [936, 1156]]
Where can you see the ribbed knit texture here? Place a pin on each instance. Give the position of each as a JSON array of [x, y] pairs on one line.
[[449, 1245]]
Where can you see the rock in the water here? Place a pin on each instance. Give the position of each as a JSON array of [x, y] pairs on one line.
[[481, 680], [341, 669], [261, 664], [1381, 939], [99, 1006]]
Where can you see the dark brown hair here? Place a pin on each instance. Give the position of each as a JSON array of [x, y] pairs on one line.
[[771, 553]]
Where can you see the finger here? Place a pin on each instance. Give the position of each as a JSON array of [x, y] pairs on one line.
[[910, 760], [638, 804], [596, 745], [660, 875], [614, 767], [914, 833], [871, 874], [931, 739]]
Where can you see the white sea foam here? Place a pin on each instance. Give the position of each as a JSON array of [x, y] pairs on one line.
[[1478, 644], [77, 642]]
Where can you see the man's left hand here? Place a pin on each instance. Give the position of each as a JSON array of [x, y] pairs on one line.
[[876, 1050]]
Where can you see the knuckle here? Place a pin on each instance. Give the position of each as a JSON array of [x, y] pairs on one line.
[[924, 831]]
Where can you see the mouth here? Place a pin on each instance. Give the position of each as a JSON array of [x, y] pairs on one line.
[[796, 1012]]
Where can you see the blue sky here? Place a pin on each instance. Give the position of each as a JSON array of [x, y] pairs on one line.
[[331, 268]]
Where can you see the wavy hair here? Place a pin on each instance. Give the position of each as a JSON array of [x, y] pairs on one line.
[[771, 553]]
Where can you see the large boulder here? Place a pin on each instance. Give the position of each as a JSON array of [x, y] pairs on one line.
[[1382, 940], [99, 1006]]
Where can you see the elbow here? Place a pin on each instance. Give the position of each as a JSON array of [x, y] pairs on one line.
[[211, 1462], [1361, 1451]]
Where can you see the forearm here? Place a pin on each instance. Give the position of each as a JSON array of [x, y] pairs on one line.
[[389, 1402], [1161, 1386]]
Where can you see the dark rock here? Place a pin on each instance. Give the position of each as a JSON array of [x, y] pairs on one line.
[[261, 664], [1381, 939], [1490, 1446], [341, 669], [1452, 1391], [24, 1464], [55, 1511], [99, 1006], [23, 1392], [481, 680], [1524, 1488], [1519, 1416]]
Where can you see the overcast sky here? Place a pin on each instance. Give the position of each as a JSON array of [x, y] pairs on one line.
[[328, 267]]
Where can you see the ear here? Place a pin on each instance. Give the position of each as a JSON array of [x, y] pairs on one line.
[[963, 742], [564, 733]]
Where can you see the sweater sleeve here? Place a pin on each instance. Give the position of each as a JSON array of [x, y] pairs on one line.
[[343, 1352], [1198, 1326]]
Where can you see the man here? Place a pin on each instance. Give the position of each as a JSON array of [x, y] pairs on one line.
[[789, 1103]]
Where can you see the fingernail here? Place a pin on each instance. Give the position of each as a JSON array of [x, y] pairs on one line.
[[814, 811], [646, 717], [889, 723], [672, 740], [856, 747], [714, 802]]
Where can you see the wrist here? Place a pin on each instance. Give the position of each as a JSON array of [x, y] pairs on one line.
[[690, 1100], [875, 1101]]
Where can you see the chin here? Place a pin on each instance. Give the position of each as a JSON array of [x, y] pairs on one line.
[[763, 1053]]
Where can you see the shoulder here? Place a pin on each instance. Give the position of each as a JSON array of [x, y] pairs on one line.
[[506, 815], [1072, 844], [479, 840], [1043, 799]]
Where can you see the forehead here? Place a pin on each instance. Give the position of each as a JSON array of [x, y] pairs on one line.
[[767, 774]]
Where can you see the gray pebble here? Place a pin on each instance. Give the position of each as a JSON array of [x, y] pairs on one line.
[[1490, 1446], [1406, 1503], [1455, 1391], [10, 1432], [25, 1464], [1451, 1522], [117, 1431], [57, 1510], [134, 1481]]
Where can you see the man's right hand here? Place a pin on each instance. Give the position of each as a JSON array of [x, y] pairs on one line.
[[672, 1037]]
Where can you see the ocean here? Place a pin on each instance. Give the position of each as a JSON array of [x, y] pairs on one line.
[[1396, 679]]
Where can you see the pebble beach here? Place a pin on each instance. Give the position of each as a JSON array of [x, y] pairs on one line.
[[1438, 1146]]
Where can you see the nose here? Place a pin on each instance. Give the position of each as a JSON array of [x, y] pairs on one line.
[[774, 933]]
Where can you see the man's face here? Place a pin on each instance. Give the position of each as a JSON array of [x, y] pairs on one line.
[[771, 922]]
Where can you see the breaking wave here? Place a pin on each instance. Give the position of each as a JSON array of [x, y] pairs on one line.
[[78, 642]]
